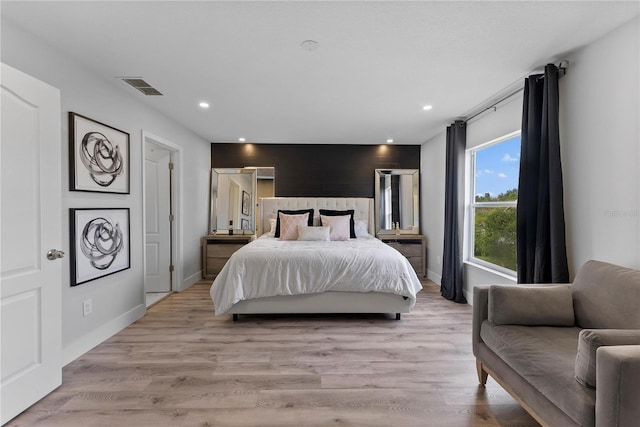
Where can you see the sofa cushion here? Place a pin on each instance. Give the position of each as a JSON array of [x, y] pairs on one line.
[[531, 305], [589, 342], [606, 296], [544, 356]]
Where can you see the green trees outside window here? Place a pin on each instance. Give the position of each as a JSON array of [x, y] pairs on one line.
[[492, 202], [495, 231]]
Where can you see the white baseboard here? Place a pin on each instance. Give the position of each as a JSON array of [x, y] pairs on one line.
[[188, 281], [468, 296], [80, 346], [434, 277], [437, 278]]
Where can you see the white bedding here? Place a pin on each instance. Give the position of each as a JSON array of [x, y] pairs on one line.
[[269, 267]]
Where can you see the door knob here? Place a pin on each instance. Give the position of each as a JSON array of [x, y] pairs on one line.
[[54, 254]]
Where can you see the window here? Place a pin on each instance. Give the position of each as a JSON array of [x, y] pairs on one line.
[[494, 194]]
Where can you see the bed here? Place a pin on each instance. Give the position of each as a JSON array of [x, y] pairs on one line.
[[361, 275]]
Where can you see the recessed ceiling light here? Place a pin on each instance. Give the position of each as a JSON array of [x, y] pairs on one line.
[[389, 141], [427, 107], [241, 139], [204, 105]]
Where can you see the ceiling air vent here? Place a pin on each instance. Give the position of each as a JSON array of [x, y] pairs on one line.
[[141, 85]]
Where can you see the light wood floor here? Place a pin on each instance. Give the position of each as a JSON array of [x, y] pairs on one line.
[[181, 366]]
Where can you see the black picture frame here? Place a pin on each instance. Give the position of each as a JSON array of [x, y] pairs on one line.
[[246, 201], [244, 224], [98, 157], [100, 243]]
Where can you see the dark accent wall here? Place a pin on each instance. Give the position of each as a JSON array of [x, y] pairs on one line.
[[313, 170]]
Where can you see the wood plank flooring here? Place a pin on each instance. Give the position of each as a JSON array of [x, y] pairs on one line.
[[182, 366]]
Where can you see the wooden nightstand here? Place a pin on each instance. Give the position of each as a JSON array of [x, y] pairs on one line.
[[217, 249], [412, 246]]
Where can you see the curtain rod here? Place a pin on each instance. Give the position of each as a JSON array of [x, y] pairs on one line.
[[494, 104], [562, 70]]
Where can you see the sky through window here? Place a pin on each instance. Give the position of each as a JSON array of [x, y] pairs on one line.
[[497, 167]]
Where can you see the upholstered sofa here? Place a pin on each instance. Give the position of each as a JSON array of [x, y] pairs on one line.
[[570, 354]]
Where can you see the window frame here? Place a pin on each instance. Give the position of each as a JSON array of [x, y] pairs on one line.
[[472, 205]]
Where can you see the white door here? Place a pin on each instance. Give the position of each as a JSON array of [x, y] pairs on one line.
[[157, 212], [30, 226]]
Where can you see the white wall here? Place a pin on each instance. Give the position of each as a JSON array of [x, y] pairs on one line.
[[406, 201], [506, 118], [118, 299], [599, 123], [600, 149], [432, 170]]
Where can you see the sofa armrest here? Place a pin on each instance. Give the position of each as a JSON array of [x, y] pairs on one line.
[[480, 313], [618, 391], [589, 342]]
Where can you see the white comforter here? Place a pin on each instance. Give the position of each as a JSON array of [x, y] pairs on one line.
[[269, 267]]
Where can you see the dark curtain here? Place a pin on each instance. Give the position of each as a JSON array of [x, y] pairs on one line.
[[452, 280], [541, 248]]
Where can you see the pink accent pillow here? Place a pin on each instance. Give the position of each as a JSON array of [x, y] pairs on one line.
[[289, 225], [340, 226]]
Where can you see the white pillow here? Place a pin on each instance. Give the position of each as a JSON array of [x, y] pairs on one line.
[[339, 225], [313, 233], [272, 231], [289, 225], [362, 228]]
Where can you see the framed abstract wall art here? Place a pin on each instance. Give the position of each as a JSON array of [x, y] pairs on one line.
[[98, 156], [100, 243], [246, 201]]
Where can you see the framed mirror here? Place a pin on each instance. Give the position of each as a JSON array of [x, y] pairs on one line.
[[397, 200], [233, 201], [266, 187]]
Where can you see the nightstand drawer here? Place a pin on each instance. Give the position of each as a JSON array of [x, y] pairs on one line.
[[413, 247], [407, 249], [224, 250], [416, 263], [216, 251], [214, 265]]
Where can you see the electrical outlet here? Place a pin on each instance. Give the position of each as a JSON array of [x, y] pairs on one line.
[[438, 259], [87, 307]]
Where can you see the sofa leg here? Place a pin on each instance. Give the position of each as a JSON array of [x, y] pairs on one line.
[[482, 374]]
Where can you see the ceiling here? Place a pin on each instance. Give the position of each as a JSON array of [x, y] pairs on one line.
[[377, 62]]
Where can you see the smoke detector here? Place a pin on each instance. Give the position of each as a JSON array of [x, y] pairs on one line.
[[309, 45]]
